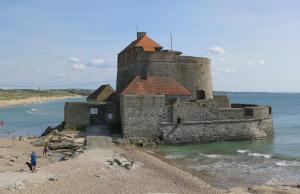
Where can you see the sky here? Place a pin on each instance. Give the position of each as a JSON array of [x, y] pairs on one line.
[[253, 44]]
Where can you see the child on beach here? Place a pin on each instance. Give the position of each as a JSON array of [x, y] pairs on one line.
[[33, 161], [45, 150]]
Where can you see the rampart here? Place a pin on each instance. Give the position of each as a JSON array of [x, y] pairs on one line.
[[199, 121]]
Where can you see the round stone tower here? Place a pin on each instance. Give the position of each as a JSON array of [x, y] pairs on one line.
[[194, 73], [204, 86]]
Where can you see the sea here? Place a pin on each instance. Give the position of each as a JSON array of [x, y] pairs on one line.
[[32, 119], [224, 164], [246, 163]]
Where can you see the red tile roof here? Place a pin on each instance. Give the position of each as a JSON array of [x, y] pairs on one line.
[[155, 85], [145, 42]]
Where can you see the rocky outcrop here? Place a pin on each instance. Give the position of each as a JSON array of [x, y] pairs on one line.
[[117, 160], [66, 142], [48, 130], [140, 142]]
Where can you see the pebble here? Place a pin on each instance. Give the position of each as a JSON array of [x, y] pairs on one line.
[[53, 179]]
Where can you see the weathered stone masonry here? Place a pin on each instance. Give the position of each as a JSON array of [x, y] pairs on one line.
[[163, 94]]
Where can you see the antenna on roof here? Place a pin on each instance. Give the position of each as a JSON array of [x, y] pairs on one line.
[[136, 28], [171, 41]]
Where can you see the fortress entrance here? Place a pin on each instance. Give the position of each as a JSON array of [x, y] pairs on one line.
[[97, 115], [201, 95]]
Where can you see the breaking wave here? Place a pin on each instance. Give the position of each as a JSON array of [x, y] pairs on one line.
[[281, 163], [254, 154], [260, 155], [242, 151], [210, 155]]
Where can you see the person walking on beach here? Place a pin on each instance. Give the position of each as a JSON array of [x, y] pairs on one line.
[[45, 150], [33, 162]]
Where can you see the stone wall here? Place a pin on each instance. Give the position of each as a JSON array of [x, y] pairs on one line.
[[210, 131], [195, 111], [97, 117], [194, 73], [76, 114], [222, 101], [141, 115], [80, 114]]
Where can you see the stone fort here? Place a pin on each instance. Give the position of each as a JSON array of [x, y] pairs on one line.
[[164, 94]]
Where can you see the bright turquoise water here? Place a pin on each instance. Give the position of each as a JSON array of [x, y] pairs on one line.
[[32, 118], [275, 160]]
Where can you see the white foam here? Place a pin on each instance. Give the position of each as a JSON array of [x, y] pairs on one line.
[[242, 151], [259, 155], [281, 163], [210, 155], [174, 156], [33, 110]]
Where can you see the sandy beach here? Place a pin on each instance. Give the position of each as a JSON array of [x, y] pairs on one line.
[[5, 103], [91, 173]]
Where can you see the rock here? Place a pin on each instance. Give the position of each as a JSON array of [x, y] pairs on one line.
[[22, 170], [143, 142], [31, 136], [63, 158], [110, 162], [61, 145], [128, 166], [52, 179], [17, 186], [121, 161], [54, 139], [98, 175], [80, 140], [118, 141], [10, 163], [80, 150], [47, 131]]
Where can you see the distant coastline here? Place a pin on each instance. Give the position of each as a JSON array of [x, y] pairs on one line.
[[31, 100]]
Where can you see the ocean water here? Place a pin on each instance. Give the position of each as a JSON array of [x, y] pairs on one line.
[[271, 161], [226, 164], [32, 118]]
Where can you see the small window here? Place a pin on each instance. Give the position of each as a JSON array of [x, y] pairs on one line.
[[201, 95], [93, 111], [179, 120], [110, 116]]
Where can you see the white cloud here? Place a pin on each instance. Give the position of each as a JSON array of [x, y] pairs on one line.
[[78, 67], [230, 70], [255, 63], [100, 63], [261, 62], [73, 60], [217, 50], [95, 62], [218, 71], [61, 75]]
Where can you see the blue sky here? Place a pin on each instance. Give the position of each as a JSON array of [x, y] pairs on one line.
[[254, 45]]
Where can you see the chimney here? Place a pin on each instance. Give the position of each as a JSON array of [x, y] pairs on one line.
[[140, 34]]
